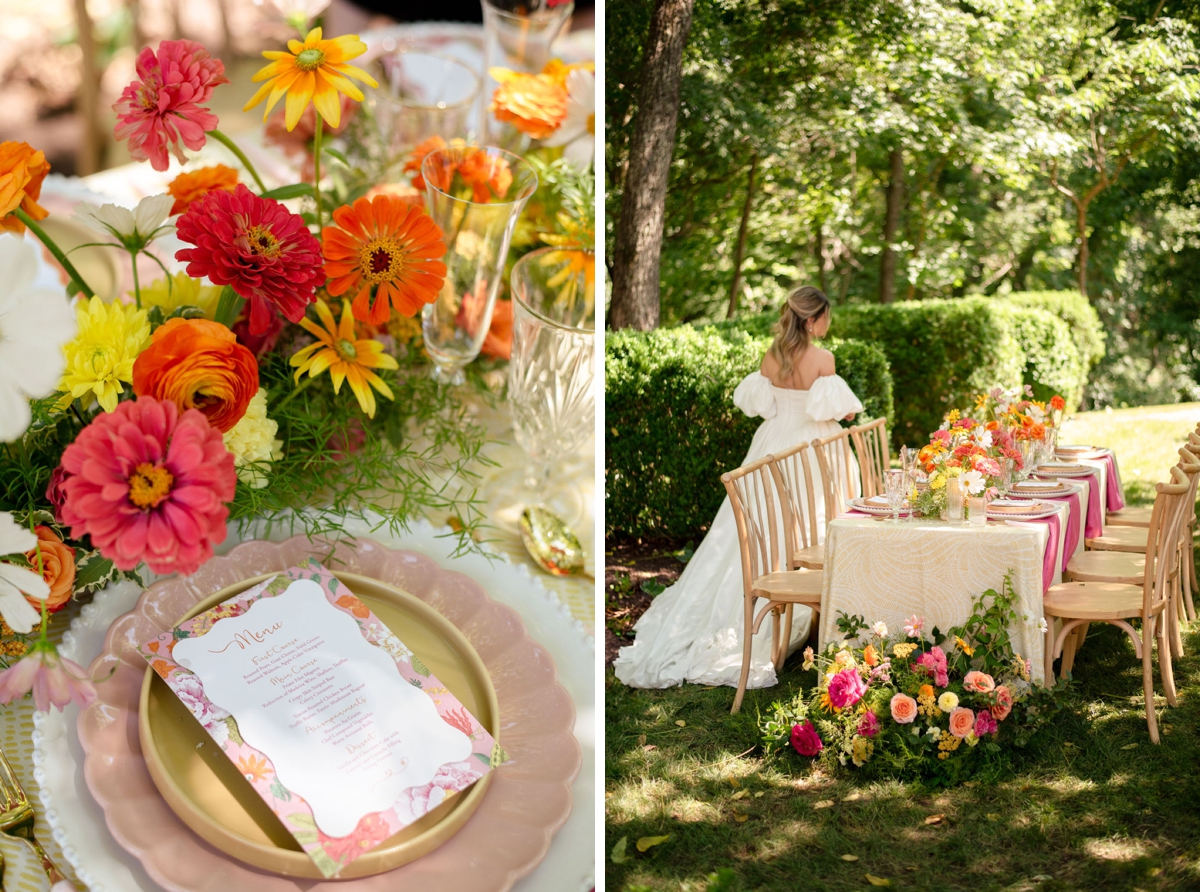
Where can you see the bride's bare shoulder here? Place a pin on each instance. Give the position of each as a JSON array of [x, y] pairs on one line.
[[821, 361], [769, 367]]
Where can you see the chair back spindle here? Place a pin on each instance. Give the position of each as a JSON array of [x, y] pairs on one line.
[[795, 470], [874, 458]]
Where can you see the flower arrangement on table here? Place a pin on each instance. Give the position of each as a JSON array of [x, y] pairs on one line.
[[933, 705], [134, 431], [965, 452]]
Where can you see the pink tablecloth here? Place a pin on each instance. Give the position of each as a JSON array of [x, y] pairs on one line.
[[1094, 524], [1075, 512], [1115, 496]]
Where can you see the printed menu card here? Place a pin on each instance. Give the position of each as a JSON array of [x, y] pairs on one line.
[[340, 728]]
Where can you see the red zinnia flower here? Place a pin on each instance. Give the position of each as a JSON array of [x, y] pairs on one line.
[[162, 109], [257, 246], [149, 484]]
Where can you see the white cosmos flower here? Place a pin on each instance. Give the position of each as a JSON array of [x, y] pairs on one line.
[[35, 323], [1042, 626], [14, 580], [134, 229], [985, 439], [577, 132], [972, 482]]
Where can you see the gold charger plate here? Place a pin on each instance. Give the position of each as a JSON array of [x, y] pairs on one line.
[[204, 788]]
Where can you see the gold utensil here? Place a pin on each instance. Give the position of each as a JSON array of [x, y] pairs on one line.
[[551, 543], [16, 816]]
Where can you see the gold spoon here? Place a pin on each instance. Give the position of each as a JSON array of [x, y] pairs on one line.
[[551, 543]]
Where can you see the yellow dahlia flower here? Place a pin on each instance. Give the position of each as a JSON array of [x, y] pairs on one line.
[[252, 442], [100, 358], [313, 71], [184, 291]]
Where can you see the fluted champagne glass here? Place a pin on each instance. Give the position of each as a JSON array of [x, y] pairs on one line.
[[475, 194], [551, 377], [421, 95]]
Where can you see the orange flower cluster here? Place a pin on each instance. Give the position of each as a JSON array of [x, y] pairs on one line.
[[21, 173], [198, 364], [488, 176], [187, 187]]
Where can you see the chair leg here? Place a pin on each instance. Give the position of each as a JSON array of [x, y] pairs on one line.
[[1049, 658], [785, 639], [1068, 655], [1189, 569], [1165, 667], [1175, 629], [1148, 680], [747, 650]]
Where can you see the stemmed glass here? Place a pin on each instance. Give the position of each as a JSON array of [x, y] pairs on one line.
[[421, 95], [894, 483], [477, 234], [912, 470]]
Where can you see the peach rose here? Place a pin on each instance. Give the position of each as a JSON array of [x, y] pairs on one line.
[[962, 721], [58, 568], [21, 173], [198, 364], [904, 709], [187, 187], [1004, 703], [979, 682]]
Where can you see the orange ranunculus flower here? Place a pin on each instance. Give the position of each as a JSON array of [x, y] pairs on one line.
[[1057, 402], [417, 158], [535, 104], [58, 568], [198, 364], [187, 187], [385, 246], [1037, 432], [21, 173]]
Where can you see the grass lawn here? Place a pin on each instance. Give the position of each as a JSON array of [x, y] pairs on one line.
[[1090, 805]]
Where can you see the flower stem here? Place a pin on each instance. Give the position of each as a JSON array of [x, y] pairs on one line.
[[229, 305], [287, 399], [55, 250], [317, 166], [241, 156], [137, 288]]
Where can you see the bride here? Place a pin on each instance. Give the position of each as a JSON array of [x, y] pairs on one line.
[[693, 630]]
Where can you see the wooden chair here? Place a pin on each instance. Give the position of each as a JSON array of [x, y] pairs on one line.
[[1080, 603], [839, 478], [871, 445], [794, 471], [764, 575]]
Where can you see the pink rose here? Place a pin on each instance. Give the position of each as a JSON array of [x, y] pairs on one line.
[[868, 725], [1004, 703], [904, 709], [933, 661], [985, 724], [846, 688], [962, 721], [979, 682], [805, 739]]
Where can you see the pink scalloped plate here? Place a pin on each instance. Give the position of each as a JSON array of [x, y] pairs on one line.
[[504, 840]]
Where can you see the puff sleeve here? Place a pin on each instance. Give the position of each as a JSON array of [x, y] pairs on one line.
[[831, 399], [755, 396]]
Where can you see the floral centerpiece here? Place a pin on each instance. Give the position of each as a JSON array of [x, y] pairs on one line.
[[281, 368], [965, 452], [916, 702]]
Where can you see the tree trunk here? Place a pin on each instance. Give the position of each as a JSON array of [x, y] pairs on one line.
[[1082, 259], [740, 255], [819, 248], [891, 223], [87, 156], [639, 228]]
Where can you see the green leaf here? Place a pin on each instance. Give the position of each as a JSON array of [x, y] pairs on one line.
[[279, 791], [334, 153], [419, 667], [296, 190], [647, 842], [653, 588], [234, 733], [93, 573], [486, 760], [618, 855]]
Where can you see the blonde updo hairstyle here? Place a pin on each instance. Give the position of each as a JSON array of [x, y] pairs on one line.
[[803, 305]]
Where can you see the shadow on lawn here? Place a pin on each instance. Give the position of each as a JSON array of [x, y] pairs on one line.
[[1092, 804]]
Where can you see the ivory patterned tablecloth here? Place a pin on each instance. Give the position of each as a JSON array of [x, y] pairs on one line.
[[891, 571]]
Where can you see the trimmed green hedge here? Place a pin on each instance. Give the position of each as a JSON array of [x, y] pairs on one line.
[[943, 352], [672, 428]]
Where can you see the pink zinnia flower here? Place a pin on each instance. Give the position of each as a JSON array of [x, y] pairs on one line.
[[162, 109], [846, 688], [987, 466], [805, 739], [868, 725], [149, 484], [257, 246], [985, 724], [55, 681]]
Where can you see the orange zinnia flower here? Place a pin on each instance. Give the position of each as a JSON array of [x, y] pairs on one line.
[[382, 245], [198, 364], [187, 187], [535, 104], [417, 158], [21, 173]]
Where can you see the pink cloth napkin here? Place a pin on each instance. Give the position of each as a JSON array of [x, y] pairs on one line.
[[1073, 520], [1116, 493]]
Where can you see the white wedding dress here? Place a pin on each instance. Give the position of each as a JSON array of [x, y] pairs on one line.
[[693, 630]]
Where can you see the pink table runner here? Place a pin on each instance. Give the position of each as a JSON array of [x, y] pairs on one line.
[[1094, 524], [1073, 518], [1116, 493]]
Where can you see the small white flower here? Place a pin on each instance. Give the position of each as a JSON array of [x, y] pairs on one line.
[[985, 439], [972, 482], [934, 732], [35, 323], [298, 13], [16, 582], [916, 731], [1042, 626], [133, 229], [947, 701], [577, 132], [880, 629]]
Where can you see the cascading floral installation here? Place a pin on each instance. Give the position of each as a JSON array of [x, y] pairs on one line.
[[137, 426]]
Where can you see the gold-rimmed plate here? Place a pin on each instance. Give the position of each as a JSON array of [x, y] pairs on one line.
[[206, 791]]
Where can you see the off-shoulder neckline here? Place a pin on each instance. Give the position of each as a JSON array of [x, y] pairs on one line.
[[794, 389]]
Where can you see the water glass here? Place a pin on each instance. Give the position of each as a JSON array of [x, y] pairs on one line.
[[421, 95], [551, 387], [977, 510], [895, 485], [477, 235], [954, 500]]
